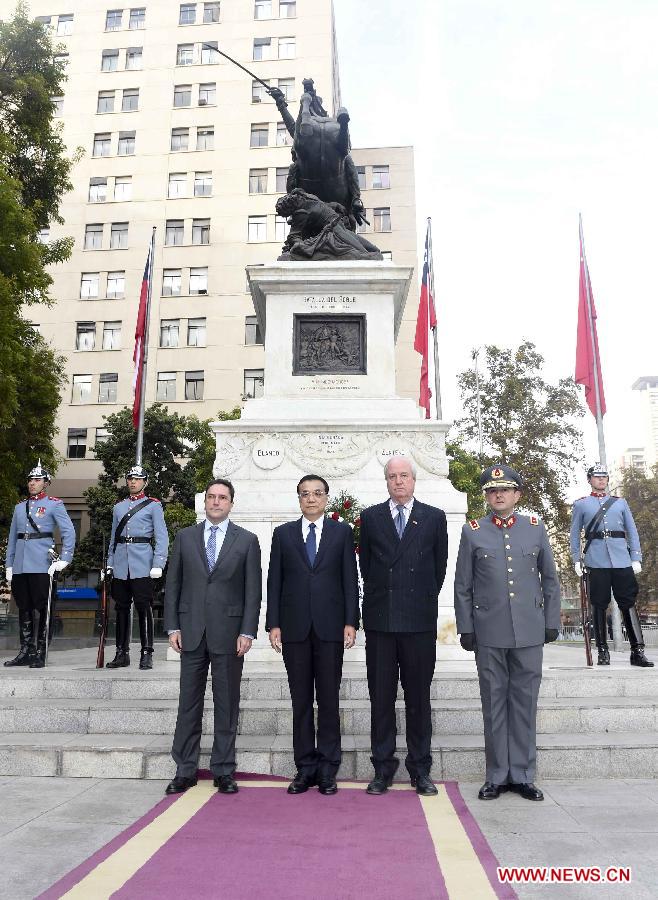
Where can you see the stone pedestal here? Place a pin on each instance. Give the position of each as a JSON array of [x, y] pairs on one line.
[[329, 404]]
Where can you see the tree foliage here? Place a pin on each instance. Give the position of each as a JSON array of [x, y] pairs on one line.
[[641, 492], [529, 424], [464, 473]]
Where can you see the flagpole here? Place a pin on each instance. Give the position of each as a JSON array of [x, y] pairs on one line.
[[430, 275], [145, 353]]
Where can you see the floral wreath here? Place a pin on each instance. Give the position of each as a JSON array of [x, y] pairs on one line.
[[346, 508]]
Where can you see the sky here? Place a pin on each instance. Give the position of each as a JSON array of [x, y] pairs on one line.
[[523, 115]]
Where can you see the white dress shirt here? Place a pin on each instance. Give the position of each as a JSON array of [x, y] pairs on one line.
[[406, 512], [318, 530]]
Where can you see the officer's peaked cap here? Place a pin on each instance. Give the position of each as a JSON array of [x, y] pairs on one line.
[[500, 476]]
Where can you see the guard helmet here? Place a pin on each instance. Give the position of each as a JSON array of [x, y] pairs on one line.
[[597, 469], [500, 476], [39, 471], [137, 472]]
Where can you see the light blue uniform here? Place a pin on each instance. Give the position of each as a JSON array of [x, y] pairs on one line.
[[606, 552], [135, 560], [31, 556]]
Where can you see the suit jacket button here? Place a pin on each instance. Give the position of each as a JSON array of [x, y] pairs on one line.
[[511, 594]]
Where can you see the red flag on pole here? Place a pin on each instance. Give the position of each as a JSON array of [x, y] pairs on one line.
[[588, 362], [140, 333], [425, 321]]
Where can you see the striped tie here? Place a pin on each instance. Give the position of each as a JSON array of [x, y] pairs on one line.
[[210, 547], [399, 522]]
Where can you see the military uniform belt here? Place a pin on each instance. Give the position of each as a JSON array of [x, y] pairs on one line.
[[134, 540], [34, 536], [600, 535]]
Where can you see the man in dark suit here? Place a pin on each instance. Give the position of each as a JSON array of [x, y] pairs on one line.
[[212, 603], [403, 556], [313, 614]]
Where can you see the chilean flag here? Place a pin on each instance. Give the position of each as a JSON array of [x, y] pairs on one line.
[[140, 336], [426, 321], [588, 362]]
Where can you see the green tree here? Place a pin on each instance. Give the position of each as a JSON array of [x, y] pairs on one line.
[[527, 423], [641, 492], [464, 473]]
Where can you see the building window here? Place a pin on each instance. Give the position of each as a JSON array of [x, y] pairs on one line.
[[134, 58], [287, 87], [361, 172], [205, 138], [43, 235], [183, 95], [119, 236], [105, 102], [263, 9], [381, 178], [194, 385], [211, 12], [130, 100], [97, 190], [209, 54], [287, 9], [200, 231], [207, 94], [107, 387], [44, 20], [101, 145], [177, 186], [112, 336], [126, 143], [166, 386], [283, 138], [254, 381], [281, 228], [257, 181], [185, 54], [258, 92], [187, 14], [174, 233], [202, 184], [116, 285], [93, 237], [123, 188], [199, 281], [180, 139], [281, 178], [171, 282], [89, 284], [196, 332], [287, 47], [76, 443], [109, 60], [257, 228], [169, 332], [113, 19], [102, 435], [65, 25], [58, 106], [85, 336], [252, 334], [387, 255], [258, 135], [262, 48], [137, 18], [61, 60], [382, 219], [81, 392]]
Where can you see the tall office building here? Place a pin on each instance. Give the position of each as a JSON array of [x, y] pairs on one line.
[[176, 137], [647, 388]]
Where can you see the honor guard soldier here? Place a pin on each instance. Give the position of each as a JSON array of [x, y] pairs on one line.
[[507, 606], [30, 566], [612, 558], [132, 561]]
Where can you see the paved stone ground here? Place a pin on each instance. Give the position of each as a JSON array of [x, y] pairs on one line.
[[50, 825]]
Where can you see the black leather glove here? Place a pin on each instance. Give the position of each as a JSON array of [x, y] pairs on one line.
[[550, 635], [468, 641]]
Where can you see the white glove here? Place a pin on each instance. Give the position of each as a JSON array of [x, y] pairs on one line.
[[578, 569], [8, 575], [105, 573], [58, 566], [155, 572], [637, 566]]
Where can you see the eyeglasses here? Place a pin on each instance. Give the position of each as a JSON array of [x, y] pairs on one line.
[[304, 495]]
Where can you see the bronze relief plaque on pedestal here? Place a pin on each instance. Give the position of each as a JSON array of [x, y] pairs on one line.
[[329, 344]]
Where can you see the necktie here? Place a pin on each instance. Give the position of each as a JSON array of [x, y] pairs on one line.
[[399, 522], [311, 547], [210, 547]]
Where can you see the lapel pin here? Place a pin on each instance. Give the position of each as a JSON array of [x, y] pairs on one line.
[[414, 522]]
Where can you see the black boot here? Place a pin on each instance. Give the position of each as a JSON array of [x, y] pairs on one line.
[[122, 657], [39, 660], [634, 632], [145, 617], [26, 632], [600, 635]]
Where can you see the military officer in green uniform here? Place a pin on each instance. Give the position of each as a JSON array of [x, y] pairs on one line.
[[507, 606]]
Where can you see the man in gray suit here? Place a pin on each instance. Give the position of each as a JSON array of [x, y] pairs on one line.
[[212, 603], [507, 606]]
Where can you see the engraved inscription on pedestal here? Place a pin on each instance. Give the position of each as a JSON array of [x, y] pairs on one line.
[[329, 344], [268, 453]]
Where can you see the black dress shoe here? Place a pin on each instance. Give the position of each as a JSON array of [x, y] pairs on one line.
[[637, 659], [225, 784], [179, 785], [301, 783], [527, 791], [379, 785], [424, 785], [491, 791], [327, 785], [121, 659], [146, 659], [604, 657]]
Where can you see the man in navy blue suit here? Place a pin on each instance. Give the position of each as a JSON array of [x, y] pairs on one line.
[[313, 615]]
